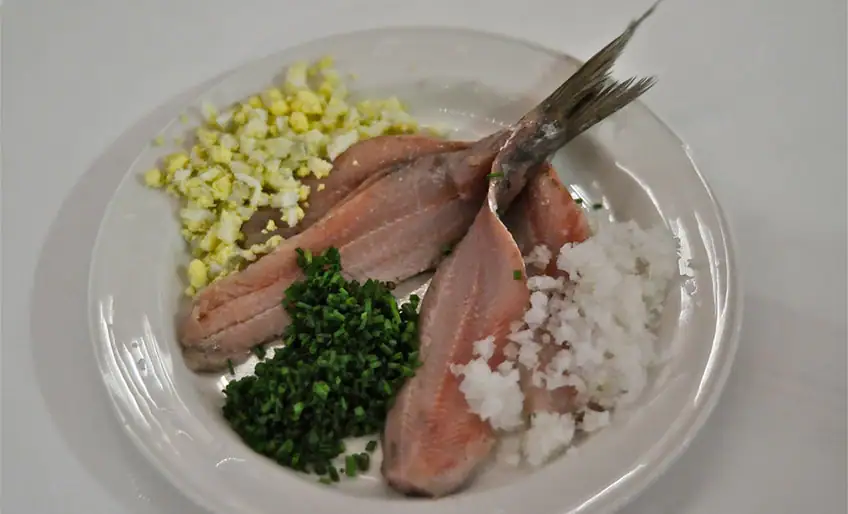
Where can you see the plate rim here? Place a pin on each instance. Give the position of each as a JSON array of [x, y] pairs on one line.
[[633, 482]]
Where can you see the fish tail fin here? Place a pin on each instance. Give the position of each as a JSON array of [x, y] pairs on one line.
[[586, 98], [591, 94]]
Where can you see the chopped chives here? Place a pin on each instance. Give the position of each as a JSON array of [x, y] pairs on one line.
[[334, 474], [497, 174], [597, 206], [321, 389], [363, 461], [347, 341], [578, 201], [516, 274], [230, 367], [350, 466], [371, 446]]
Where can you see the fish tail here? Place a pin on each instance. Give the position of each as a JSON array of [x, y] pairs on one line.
[[586, 98]]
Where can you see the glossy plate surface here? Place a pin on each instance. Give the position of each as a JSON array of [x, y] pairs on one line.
[[471, 82]]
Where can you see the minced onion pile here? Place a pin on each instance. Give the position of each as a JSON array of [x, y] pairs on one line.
[[348, 350]]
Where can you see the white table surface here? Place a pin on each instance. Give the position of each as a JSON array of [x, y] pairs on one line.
[[756, 87]]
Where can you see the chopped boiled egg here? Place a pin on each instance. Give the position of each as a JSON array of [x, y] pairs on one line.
[[197, 274], [255, 153], [153, 178], [341, 143]]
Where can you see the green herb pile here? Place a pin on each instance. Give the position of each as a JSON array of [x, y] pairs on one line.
[[348, 350]]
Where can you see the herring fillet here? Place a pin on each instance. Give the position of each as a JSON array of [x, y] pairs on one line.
[[364, 160], [433, 444], [244, 309], [391, 230], [545, 214]]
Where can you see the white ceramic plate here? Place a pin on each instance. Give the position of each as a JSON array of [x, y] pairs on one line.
[[473, 82]]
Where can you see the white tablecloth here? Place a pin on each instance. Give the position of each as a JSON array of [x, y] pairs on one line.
[[756, 87]]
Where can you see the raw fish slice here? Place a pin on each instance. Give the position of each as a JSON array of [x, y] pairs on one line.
[[391, 230], [366, 159], [545, 214], [433, 444]]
